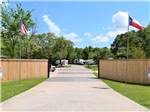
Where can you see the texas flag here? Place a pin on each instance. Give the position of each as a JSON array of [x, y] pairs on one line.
[[134, 24]]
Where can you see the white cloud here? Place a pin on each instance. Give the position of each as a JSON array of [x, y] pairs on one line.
[[52, 26], [106, 28], [4, 2], [120, 25], [106, 37], [87, 34], [100, 38], [113, 34], [120, 20], [56, 30], [73, 37]]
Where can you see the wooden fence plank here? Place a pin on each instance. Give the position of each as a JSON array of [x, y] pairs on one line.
[[16, 69], [116, 70]]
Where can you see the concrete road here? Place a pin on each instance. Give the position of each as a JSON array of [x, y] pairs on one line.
[[71, 89]]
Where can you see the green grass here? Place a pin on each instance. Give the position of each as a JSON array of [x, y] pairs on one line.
[[138, 93], [92, 67], [12, 88], [67, 66]]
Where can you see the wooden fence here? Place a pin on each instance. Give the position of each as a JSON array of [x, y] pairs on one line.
[[133, 70], [17, 69]]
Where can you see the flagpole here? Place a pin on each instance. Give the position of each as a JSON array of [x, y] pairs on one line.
[[20, 52], [28, 47], [128, 42], [20, 61], [127, 58]]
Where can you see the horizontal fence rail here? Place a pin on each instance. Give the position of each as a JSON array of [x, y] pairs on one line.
[[132, 71], [19, 69]]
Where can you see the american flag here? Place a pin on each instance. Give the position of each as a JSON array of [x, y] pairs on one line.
[[23, 29]]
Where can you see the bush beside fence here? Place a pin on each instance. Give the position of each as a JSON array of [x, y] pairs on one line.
[[18, 69], [132, 71]]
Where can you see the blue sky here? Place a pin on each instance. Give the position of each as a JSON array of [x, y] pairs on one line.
[[87, 23]]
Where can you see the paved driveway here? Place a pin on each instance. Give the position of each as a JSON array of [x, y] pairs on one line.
[[71, 89]]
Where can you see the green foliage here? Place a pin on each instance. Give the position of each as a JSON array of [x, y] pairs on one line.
[[138, 93], [139, 44], [10, 29], [50, 46], [71, 54], [14, 45], [78, 53], [92, 67], [12, 88], [137, 53], [61, 47], [93, 53], [42, 46], [145, 35]]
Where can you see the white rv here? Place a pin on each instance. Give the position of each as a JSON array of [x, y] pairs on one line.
[[79, 61], [63, 62]]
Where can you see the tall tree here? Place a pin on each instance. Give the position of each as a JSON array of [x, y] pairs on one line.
[[60, 48], [10, 34], [139, 44], [145, 35]]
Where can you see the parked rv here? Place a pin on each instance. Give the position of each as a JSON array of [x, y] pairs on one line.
[[62, 62], [75, 61], [90, 62], [79, 61], [82, 62], [53, 68]]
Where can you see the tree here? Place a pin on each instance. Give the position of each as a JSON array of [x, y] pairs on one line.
[[138, 53], [60, 48], [145, 35], [42, 45], [85, 53], [91, 55], [78, 53], [71, 54], [10, 29], [139, 44]]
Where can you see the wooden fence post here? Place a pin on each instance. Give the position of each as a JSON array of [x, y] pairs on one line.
[[48, 69], [98, 69]]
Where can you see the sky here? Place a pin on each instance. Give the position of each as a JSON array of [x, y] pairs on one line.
[[94, 23]]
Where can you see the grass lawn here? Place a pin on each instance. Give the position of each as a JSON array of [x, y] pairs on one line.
[[92, 67], [12, 88], [138, 93]]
